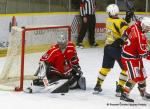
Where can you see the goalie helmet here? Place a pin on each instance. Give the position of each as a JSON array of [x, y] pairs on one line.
[[62, 40], [112, 9]]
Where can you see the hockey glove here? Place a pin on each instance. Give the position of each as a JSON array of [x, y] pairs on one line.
[[121, 41], [124, 37], [148, 55], [118, 43], [77, 70]]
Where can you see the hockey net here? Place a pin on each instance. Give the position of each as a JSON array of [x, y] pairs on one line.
[[26, 46]]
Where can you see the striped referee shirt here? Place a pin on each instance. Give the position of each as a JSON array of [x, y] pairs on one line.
[[87, 7]]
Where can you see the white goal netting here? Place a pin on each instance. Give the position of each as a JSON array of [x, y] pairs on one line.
[[26, 46]]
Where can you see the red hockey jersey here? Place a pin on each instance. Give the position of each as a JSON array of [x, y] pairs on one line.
[[136, 45], [133, 51], [62, 61]]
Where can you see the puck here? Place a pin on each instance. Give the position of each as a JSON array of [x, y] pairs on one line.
[[95, 92], [62, 94]]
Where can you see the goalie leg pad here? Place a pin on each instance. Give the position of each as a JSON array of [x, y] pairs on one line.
[[82, 83]]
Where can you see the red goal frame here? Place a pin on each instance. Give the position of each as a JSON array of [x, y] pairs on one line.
[[20, 88]]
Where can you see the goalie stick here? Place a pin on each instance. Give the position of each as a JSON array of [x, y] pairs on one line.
[[52, 87]]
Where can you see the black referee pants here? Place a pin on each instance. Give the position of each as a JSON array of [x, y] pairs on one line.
[[87, 27]]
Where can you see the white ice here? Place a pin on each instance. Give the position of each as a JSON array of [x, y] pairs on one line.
[[90, 61]]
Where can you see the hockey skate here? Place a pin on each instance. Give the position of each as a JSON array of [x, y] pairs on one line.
[[126, 98], [94, 45], [119, 90], [97, 88], [80, 45], [144, 95]]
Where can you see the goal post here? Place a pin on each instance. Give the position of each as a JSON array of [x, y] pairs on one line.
[[26, 46]]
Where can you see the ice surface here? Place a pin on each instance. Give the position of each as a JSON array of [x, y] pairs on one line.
[[90, 62]]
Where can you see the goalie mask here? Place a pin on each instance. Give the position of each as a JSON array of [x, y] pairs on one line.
[[145, 23], [112, 10], [62, 40]]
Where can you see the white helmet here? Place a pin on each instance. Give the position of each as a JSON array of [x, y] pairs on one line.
[[146, 21], [112, 9], [62, 39]]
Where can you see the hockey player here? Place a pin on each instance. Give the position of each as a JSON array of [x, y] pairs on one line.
[[115, 28], [134, 50], [60, 63]]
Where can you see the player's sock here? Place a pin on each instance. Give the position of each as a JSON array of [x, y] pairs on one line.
[[119, 90], [121, 83], [128, 87], [122, 78]]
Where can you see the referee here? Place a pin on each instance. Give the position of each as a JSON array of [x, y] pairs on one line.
[[88, 21]]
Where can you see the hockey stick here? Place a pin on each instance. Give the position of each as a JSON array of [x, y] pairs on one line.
[[132, 9], [37, 89], [51, 87]]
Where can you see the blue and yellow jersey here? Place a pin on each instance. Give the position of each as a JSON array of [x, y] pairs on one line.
[[114, 29]]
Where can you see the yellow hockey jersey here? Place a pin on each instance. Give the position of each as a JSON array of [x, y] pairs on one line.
[[114, 29]]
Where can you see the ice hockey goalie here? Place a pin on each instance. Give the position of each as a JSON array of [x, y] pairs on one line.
[[59, 69]]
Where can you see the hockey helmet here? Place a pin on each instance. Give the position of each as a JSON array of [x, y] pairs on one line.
[[145, 23], [62, 40], [112, 9]]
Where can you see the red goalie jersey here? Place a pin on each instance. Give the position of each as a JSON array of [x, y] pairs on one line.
[[133, 51], [62, 61]]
